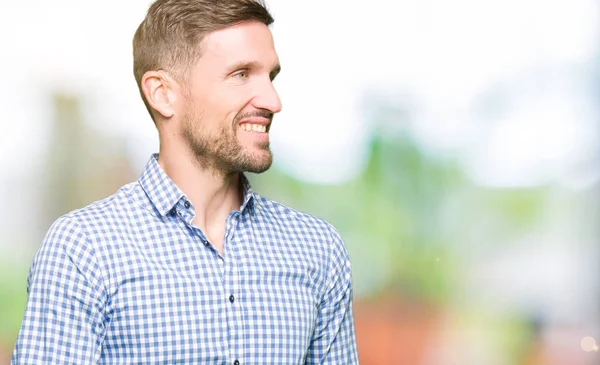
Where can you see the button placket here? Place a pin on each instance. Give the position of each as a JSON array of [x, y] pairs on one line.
[[232, 286]]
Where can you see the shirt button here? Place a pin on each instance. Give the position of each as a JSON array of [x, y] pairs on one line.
[[186, 204], [236, 362], [232, 299]]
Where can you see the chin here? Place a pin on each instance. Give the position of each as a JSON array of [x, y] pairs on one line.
[[260, 162], [261, 166]]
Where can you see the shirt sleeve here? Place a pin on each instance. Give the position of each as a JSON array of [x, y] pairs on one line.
[[334, 338], [64, 320]]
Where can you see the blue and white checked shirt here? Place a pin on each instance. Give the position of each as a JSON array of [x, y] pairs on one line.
[[130, 280]]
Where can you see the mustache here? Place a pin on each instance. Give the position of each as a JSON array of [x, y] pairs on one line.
[[260, 113]]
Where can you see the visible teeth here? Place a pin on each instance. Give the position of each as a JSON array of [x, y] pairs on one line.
[[254, 127]]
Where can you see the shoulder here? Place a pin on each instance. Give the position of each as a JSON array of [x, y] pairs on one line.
[[319, 230], [70, 239], [289, 216], [108, 211], [71, 232], [320, 240]]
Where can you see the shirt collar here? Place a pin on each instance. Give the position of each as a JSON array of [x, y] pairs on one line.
[[164, 194], [250, 200]]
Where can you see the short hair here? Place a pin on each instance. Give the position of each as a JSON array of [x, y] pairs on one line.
[[170, 36]]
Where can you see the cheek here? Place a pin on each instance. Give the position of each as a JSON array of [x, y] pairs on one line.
[[222, 105], [234, 99], [222, 109]]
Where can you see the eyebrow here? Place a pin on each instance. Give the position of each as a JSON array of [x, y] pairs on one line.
[[253, 65]]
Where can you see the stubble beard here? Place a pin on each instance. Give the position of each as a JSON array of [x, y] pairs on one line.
[[222, 154]]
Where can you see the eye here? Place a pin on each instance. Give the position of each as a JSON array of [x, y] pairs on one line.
[[241, 75]]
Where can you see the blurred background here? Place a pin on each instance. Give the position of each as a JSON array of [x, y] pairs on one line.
[[454, 144]]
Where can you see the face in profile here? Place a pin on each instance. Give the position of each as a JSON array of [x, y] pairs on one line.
[[231, 100]]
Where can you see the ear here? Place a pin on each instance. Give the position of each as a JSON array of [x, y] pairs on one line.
[[157, 87]]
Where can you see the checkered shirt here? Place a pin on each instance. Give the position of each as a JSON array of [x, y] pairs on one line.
[[131, 280]]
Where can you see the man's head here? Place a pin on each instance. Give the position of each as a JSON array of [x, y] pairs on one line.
[[205, 70]]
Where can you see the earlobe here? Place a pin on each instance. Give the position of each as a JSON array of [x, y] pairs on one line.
[[156, 87]]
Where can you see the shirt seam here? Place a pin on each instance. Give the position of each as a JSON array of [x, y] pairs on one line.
[[102, 279]]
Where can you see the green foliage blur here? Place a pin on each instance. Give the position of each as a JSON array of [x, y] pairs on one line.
[[13, 296]]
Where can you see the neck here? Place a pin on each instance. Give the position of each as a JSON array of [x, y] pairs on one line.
[[213, 194]]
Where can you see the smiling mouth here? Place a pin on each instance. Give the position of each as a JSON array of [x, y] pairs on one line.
[[251, 127]]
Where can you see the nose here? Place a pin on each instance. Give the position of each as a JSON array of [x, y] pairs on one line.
[[267, 98]]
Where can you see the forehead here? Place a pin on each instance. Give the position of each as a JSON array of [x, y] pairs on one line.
[[247, 41]]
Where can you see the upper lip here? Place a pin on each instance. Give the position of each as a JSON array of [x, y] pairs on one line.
[[256, 120]]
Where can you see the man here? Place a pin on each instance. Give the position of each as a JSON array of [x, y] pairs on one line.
[[188, 264]]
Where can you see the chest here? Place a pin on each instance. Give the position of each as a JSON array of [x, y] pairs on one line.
[[185, 303]]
